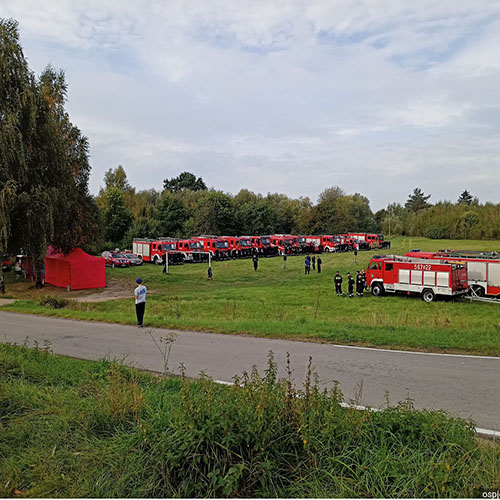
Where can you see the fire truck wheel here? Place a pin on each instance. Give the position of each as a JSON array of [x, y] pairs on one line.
[[428, 295], [327, 250], [476, 291], [377, 290]]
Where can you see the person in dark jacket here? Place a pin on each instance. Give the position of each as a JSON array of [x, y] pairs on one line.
[[359, 284], [314, 262], [164, 262], [350, 285], [319, 262], [338, 284], [255, 260]]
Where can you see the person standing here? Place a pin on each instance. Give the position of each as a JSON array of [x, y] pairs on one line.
[[338, 284], [284, 261], [307, 265], [350, 285], [359, 284], [255, 260], [319, 262], [164, 258], [2, 285], [140, 301], [314, 262]]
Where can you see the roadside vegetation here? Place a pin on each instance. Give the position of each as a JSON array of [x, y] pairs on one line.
[[75, 428], [274, 302]]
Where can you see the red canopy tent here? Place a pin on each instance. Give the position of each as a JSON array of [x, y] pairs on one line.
[[76, 270]]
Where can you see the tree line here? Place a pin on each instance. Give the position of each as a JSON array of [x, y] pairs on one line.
[[186, 207], [45, 200]]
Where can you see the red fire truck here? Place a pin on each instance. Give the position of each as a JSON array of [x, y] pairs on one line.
[[267, 248], [428, 278], [370, 241], [246, 246], [192, 250], [483, 268], [152, 250], [290, 244], [218, 246]]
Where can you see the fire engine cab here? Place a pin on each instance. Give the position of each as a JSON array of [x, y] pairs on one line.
[[246, 245], [150, 250], [393, 273]]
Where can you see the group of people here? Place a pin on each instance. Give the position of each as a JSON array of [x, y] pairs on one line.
[[359, 282], [308, 261]]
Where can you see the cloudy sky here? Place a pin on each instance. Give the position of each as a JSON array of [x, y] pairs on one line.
[[376, 96]]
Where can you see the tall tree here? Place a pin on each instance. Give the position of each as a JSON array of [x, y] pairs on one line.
[[465, 198], [43, 158], [117, 218], [185, 180], [417, 201], [171, 215]]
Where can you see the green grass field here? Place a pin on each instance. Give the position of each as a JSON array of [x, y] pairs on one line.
[[71, 428], [282, 303]]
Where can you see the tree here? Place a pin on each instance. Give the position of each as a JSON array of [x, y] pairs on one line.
[[465, 198], [185, 180], [171, 215], [214, 214], [417, 201], [44, 164], [117, 218]]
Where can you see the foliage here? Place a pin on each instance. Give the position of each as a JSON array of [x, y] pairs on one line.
[[185, 180], [417, 201], [117, 218], [171, 215], [98, 429], [44, 159], [465, 197]]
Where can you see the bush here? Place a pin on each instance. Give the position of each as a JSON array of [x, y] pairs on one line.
[[54, 302]]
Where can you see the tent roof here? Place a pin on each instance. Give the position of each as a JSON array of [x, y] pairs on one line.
[[76, 254]]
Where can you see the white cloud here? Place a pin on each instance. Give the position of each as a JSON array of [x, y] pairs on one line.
[[292, 96]]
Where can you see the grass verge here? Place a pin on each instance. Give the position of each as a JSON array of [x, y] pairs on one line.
[[98, 429]]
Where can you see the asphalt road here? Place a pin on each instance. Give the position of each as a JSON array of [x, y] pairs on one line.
[[465, 386]]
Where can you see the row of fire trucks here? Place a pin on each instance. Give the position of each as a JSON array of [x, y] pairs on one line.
[[231, 247]]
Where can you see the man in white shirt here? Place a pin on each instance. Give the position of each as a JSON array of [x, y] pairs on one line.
[[140, 301]]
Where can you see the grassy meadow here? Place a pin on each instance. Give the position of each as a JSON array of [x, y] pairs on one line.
[[275, 302], [72, 428]]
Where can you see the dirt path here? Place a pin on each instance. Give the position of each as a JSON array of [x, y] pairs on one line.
[[6, 302]]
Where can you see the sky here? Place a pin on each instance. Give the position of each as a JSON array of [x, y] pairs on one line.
[[375, 96]]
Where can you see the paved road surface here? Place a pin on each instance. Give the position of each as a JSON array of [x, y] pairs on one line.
[[466, 386]]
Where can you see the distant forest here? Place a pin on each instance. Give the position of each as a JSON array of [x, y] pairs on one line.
[[186, 207]]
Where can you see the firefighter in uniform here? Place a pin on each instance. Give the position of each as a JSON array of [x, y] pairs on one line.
[[350, 285], [255, 260], [359, 284], [318, 261], [363, 278], [338, 284]]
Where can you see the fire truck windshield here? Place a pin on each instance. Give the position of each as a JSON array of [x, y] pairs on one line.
[[168, 246], [287, 243], [301, 241], [265, 241], [222, 244], [195, 245], [245, 243]]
